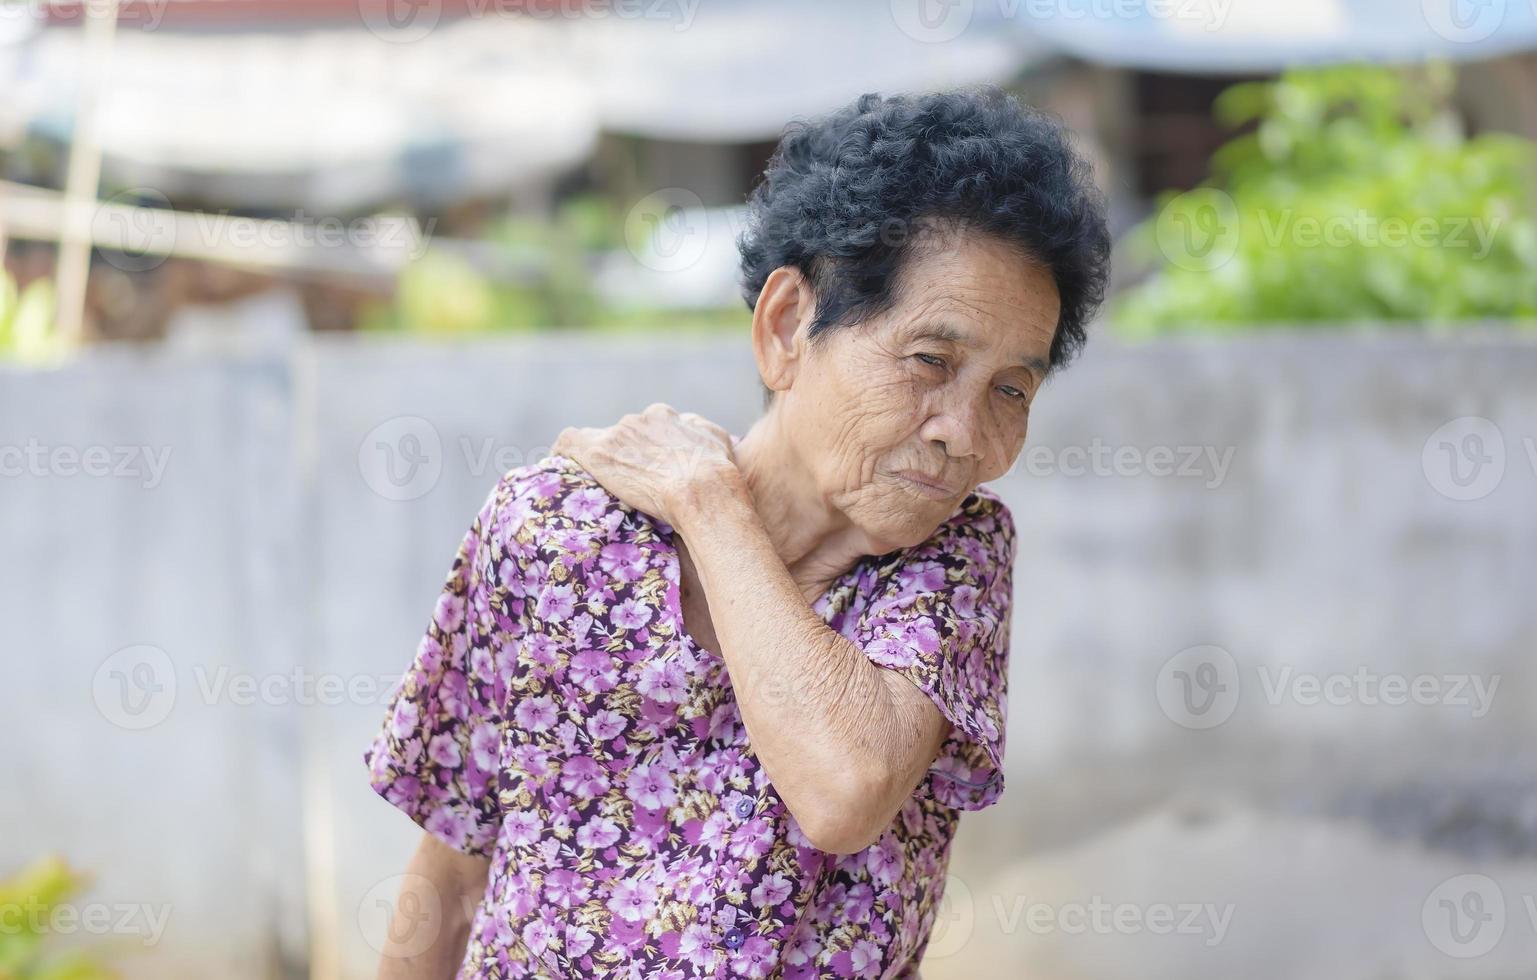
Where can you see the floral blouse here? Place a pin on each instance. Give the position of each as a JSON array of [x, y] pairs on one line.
[[559, 720]]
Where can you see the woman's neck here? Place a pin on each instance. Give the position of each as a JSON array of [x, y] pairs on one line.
[[816, 541]]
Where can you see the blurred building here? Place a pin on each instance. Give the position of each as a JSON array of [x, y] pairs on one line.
[[454, 113]]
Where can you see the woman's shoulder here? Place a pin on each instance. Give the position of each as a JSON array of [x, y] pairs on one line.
[[973, 549], [982, 520], [554, 501]]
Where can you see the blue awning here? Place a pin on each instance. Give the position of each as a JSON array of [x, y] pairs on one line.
[[1245, 36]]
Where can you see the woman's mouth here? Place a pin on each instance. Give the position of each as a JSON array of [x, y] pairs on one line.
[[929, 486]]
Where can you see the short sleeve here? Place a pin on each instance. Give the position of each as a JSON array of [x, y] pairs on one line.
[[942, 621], [437, 755]]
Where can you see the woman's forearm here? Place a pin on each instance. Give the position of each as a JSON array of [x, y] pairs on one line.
[[843, 740], [429, 926]]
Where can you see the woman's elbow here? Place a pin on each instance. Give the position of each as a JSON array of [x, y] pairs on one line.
[[845, 822]]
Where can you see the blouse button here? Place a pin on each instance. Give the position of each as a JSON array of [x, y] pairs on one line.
[[734, 938], [744, 808]]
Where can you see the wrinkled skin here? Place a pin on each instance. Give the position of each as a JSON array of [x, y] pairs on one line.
[[870, 401], [857, 408]]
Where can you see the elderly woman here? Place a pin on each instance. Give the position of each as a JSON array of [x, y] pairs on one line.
[[694, 705]]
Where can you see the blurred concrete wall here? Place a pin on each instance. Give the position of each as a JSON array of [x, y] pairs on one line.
[[1270, 698]]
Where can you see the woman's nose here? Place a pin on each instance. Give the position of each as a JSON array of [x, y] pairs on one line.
[[954, 431]]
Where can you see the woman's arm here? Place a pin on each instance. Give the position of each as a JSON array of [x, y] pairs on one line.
[[429, 927], [844, 740]]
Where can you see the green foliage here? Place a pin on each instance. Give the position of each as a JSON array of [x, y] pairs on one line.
[[26, 902], [26, 320], [443, 294], [1355, 197]]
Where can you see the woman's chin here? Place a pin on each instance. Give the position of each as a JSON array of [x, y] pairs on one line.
[[905, 532]]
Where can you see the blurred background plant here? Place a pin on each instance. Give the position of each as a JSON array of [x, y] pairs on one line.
[[26, 318], [1355, 196], [27, 902]]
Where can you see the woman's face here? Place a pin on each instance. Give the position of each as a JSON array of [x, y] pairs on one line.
[[900, 417]]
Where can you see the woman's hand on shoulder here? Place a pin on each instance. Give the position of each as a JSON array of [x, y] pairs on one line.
[[656, 460]]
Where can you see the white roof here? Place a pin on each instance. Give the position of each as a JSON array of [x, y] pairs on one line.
[[344, 116], [349, 117]]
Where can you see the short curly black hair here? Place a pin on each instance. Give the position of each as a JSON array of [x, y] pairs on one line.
[[843, 195]]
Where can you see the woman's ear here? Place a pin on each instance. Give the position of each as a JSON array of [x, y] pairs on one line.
[[780, 320]]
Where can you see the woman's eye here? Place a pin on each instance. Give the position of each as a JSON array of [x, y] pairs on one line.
[[1014, 392], [933, 359]]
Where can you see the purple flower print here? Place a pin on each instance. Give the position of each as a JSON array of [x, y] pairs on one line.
[[485, 745], [755, 959], [623, 562], [556, 721], [605, 725], [557, 602], [536, 714], [584, 778], [449, 614], [597, 833], [631, 614], [595, 671], [634, 900], [771, 890], [587, 505], [444, 751], [650, 786], [664, 682], [405, 719]]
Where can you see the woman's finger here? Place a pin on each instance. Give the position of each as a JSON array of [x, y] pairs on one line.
[[699, 421], [569, 439]]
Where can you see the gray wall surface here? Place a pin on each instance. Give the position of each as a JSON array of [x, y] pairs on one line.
[[1231, 555]]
